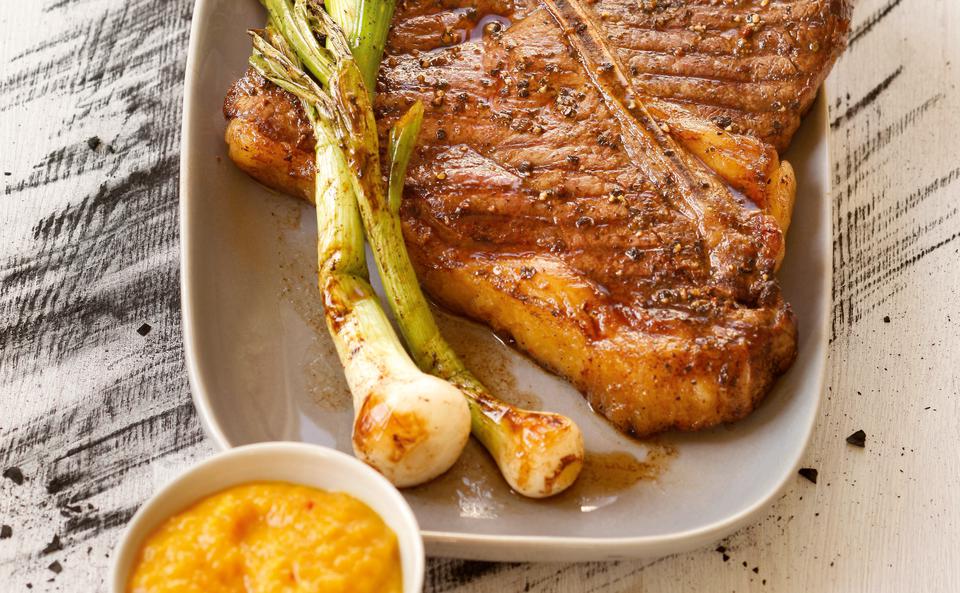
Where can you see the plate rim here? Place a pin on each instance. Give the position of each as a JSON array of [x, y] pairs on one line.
[[445, 542]]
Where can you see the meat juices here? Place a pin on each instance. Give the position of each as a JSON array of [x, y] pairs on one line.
[[599, 181]]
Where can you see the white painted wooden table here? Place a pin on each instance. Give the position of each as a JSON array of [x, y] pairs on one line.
[[95, 416]]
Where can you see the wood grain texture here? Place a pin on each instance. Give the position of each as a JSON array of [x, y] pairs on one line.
[[96, 416]]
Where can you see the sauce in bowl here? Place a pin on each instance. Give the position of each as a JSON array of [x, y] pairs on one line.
[[270, 537]]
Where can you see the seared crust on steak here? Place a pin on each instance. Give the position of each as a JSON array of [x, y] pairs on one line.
[[564, 196]]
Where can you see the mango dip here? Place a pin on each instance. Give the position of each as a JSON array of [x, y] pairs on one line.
[[268, 538]]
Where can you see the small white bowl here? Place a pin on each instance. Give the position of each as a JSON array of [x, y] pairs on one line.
[[297, 463]]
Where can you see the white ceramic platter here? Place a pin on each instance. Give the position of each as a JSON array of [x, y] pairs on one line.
[[262, 367]]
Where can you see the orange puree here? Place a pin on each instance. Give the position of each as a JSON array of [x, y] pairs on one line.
[[271, 538]]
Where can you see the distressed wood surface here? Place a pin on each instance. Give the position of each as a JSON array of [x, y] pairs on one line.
[[96, 416]]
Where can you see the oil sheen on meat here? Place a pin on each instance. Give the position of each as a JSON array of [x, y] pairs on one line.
[[599, 181]]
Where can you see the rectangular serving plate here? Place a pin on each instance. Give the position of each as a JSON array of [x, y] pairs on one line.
[[262, 367]]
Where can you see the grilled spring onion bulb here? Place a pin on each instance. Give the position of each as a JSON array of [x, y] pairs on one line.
[[539, 453], [409, 425]]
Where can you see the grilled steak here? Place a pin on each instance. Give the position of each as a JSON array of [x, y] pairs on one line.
[[598, 182]]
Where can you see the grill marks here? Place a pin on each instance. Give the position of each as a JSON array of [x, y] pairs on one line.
[[552, 160], [764, 63], [655, 290], [763, 84], [639, 172], [546, 169]]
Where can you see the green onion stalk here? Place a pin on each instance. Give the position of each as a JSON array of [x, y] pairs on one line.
[[409, 425], [539, 453]]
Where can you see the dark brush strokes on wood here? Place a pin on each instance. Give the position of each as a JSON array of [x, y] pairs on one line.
[[96, 415], [867, 25], [866, 100], [878, 234], [89, 254]]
